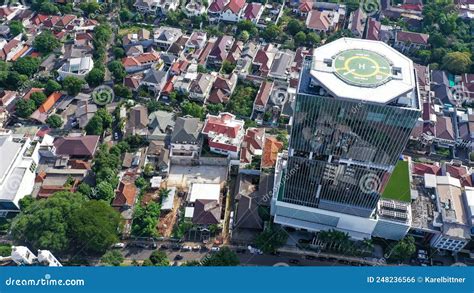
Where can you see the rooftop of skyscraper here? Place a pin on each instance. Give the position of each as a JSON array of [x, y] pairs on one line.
[[370, 71]]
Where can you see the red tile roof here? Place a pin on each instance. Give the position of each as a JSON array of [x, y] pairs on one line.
[[217, 6], [460, 173], [50, 101], [235, 6], [318, 20], [411, 37], [305, 6], [125, 194], [422, 168], [220, 124], [83, 146], [252, 10], [270, 152], [263, 93], [141, 59]]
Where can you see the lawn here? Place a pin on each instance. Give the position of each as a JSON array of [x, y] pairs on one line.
[[398, 186]]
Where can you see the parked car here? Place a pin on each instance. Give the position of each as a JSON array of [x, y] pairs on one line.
[[176, 247], [215, 249], [164, 246], [118, 245], [178, 257], [197, 248], [186, 248]]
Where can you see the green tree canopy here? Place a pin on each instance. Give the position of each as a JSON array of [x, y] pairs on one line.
[[404, 249], [24, 108], [54, 121], [95, 77], [95, 126], [51, 87], [73, 85], [117, 69], [145, 220], [457, 62], [16, 27], [112, 258], [105, 191], [271, 239], [224, 257], [159, 258], [122, 91], [46, 42]]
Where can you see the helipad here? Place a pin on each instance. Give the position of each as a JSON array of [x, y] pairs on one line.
[[362, 67], [365, 70]]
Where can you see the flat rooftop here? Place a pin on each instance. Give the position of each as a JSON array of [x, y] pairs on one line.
[[364, 70]]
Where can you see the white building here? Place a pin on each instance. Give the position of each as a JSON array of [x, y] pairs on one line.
[[18, 160], [453, 220], [77, 67], [224, 133], [22, 256]]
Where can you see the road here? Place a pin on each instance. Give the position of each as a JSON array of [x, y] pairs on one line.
[[246, 259]]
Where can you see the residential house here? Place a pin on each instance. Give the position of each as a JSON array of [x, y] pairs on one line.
[[252, 144], [84, 113], [215, 9], [53, 180], [222, 89], [220, 50], [444, 132], [147, 6], [141, 62], [154, 80], [224, 134], [159, 156], [263, 60], [42, 113], [194, 8], [161, 124], [200, 88], [137, 123], [319, 21], [357, 22], [410, 41], [233, 10], [126, 194], [204, 204], [263, 94], [244, 64], [186, 140], [77, 67], [304, 8], [76, 147], [281, 65], [11, 49], [165, 36], [196, 41], [253, 11], [373, 29], [142, 37], [17, 171], [459, 171], [271, 149]]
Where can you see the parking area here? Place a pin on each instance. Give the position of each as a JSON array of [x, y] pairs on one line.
[[183, 176]]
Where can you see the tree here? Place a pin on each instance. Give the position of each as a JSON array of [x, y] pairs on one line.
[[215, 109], [95, 77], [159, 258], [95, 126], [147, 263], [46, 42], [106, 117], [26, 65], [51, 87], [227, 67], [45, 224], [5, 250], [192, 263], [192, 109], [300, 38], [117, 69], [102, 34], [89, 7], [271, 239], [164, 193], [112, 258], [94, 226], [24, 108], [313, 39], [294, 26], [125, 14], [38, 98], [145, 220], [118, 52], [248, 26], [244, 36], [271, 32], [148, 170], [48, 8], [404, 249], [224, 257], [72, 85], [122, 91], [54, 121], [84, 189], [16, 27], [105, 191], [15, 80], [457, 62], [26, 202]]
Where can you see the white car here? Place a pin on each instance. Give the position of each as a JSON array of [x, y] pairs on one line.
[[215, 249], [119, 245]]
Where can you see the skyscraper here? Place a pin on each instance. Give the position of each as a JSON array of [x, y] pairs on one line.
[[356, 105]]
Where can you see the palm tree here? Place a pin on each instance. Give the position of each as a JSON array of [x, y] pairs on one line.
[[164, 193]]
